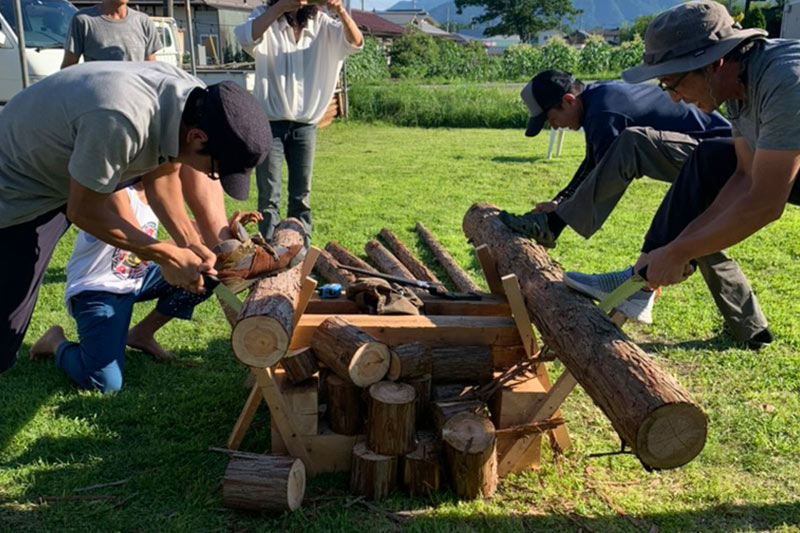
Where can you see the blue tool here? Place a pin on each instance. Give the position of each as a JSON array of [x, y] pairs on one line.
[[330, 290]]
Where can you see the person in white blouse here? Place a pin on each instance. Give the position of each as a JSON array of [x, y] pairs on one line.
[[299, 51]]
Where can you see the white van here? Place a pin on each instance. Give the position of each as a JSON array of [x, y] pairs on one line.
[[46, 23]]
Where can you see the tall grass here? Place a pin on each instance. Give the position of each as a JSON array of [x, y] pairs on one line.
[[457, 106]]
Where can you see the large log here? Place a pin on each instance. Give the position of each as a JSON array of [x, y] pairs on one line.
[[647, 407], [266, 321], [263, 482], [391, 418], [453, 364], [346, 257], [470, 447], [409, 360], [372, 475], [327, 267], [345, 406], [351, 353], [404, 255], [385, 260], [459, 276]]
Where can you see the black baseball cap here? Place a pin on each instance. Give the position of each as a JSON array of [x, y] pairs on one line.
[[239, 135], [543, 92]]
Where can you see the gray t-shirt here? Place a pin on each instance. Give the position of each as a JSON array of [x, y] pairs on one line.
[[98, 123], [769, 117], [99, 38]]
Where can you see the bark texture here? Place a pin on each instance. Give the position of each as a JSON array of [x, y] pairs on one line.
[[351, 353], [460, 278], [404, 255], [263, 482]]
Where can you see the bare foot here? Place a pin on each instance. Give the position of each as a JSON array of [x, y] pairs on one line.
[[150, 346], [47, 344]]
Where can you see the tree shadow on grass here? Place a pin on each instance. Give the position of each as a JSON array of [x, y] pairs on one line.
[[718, 343]]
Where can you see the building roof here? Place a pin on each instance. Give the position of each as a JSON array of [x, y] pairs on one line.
[[404, 18], [241, 5], [372, 23]]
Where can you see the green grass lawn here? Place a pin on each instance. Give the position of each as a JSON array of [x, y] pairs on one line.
[[156, 432]]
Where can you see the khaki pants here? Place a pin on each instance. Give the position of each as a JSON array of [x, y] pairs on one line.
[[640, 151]]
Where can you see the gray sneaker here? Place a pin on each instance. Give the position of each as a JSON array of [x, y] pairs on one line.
[[598, 286], [531, 225]]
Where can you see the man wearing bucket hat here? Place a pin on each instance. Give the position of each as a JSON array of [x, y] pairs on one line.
[[69, 141], [729, 188], [630, 131]]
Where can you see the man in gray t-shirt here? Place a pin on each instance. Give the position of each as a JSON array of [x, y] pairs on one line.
[[68, 141], [729, 188], [110, 31]]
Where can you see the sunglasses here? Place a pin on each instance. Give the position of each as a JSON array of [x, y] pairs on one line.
[[674, 87]]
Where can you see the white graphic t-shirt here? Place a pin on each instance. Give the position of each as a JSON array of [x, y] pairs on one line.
[[97, 266]]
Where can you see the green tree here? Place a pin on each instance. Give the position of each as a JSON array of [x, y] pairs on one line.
[[524, 18], [414, 55], [754, 18], [639, 26]]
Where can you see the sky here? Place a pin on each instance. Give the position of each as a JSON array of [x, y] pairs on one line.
[[369, 5]]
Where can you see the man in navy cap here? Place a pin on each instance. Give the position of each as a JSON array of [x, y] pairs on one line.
[[729, 188], [68, 142], [631, 131]]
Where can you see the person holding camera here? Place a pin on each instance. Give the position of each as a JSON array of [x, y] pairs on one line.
[[299, 51]]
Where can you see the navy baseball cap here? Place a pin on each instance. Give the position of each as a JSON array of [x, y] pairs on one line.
[[239, 135], [543, 92]]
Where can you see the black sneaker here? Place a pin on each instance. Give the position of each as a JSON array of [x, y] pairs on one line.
[[762, 339], [531, 225]]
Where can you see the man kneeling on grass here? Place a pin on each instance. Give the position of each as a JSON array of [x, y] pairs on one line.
[[103, 284], [728, 188]]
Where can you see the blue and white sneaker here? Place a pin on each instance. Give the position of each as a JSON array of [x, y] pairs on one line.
[[638, 307]]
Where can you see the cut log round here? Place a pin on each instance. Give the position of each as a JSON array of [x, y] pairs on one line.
[[266, 321], [346, 257], [470, 447], [415, 266], [422, 468], [391, 418], [371, 474], [410, 360], [345, 406], [422, 387], [327, 267], [459, 276], [442, 412], [351, 353], [263, 482], [300, 365], [452, 364], [386, 261], [648, 408]]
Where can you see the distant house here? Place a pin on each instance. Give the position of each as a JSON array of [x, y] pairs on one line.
[[578, 38], [419, 19], [213, 22], [497, 45], [371, 24], [543, 36]]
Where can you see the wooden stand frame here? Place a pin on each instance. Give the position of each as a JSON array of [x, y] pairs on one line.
[[500, 320]]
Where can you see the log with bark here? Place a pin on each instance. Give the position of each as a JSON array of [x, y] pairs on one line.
[[459, 276], [328, 268], [410, 360], [647, 407], [442, 412], [385, 260], [353, 355], [263, 482], [345, 406], [391, 418], [422, 468], [372, 475], [346, 257], [422, 386], [300, 365], [452, 364], [266, 321], [469, 443], [415, 266]]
